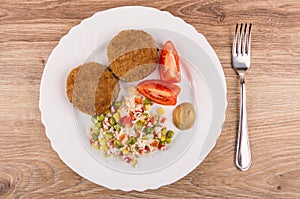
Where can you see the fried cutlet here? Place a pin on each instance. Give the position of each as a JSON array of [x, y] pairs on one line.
[[132, 55], [92, 88]]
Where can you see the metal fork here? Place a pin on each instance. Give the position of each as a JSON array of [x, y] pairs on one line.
[[241, 63]]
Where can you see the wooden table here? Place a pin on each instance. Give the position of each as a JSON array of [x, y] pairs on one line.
[[29, 168]]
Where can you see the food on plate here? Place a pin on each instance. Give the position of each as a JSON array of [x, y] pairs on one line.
[[70, 82], [130, 128], [159, 92], [132, 55], [92, 88], [169, 66], [184, 116]]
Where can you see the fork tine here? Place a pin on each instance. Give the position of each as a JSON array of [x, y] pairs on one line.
[[234, 40], [249, 39], [244, 40], [240, 40]]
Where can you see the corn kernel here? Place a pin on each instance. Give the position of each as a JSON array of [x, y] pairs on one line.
[[101, 140], [103, 148], [163, 138], [142, 120], [95, 146], [116, 116], [146, 107], [125, 151], [160, 111]]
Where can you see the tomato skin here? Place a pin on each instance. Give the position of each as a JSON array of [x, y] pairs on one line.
[[169, 66], [111, 143], [175, 89], [161, 147], [159, 92]]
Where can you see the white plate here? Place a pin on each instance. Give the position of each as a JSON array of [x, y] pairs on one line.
[[75, 48]]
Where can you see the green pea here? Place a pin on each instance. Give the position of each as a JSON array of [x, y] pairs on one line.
[[131, 140], [164, 131], [149, 130], [112, 121], [99, 125], [170, 134], [108, 136], [168, 140], [97, 132], [94, 137], [117, 127], [147, 101], [117, 144], [138, 125], [100, 118], [162, 143], [117, 103]]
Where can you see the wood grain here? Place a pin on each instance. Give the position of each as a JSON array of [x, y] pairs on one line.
[[29, 168]]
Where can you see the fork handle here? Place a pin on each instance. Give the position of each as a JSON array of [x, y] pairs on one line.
[[243, 155]]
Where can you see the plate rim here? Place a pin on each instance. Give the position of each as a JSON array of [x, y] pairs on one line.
[[179, 20]]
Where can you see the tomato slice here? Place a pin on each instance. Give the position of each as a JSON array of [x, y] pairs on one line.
[[173, 87], [159, 91], [169, 64]]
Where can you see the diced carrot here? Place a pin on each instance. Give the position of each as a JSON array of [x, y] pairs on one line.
[[131, 115], [155, 143], [122, 137], [138, 100]]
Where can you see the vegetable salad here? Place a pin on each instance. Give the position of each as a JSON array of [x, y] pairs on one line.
[[130, 129]]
